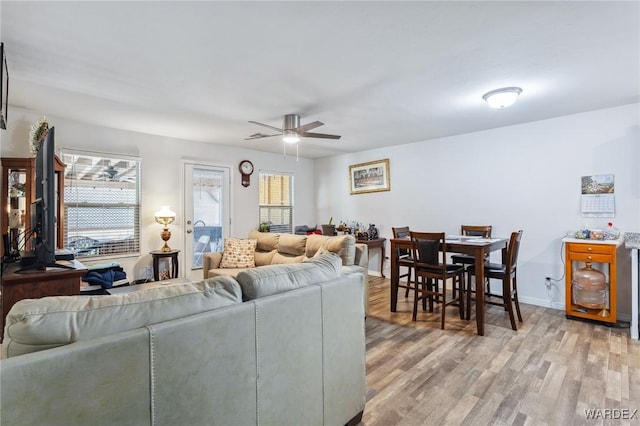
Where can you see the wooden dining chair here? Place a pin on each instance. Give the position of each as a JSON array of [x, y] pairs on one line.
[[404, 258], [429, 253], [508, 274], [467, 260]]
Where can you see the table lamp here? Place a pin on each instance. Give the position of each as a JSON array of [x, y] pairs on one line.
[[164, 217]]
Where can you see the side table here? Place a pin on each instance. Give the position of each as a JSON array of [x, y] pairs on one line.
[[159, 254], [377, 243]]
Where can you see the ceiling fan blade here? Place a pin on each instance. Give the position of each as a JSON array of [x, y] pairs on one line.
[[306, 127], [319, 135], [260, 136], [277, 129]]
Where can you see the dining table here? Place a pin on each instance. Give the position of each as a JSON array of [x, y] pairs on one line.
[[473, 246]]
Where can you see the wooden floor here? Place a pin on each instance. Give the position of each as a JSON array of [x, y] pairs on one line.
[[547, 373]]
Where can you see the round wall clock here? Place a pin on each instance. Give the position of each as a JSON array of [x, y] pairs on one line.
[[246, 169]]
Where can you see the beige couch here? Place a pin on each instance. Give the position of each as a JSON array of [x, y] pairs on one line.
[[280, 248], [292, 353]]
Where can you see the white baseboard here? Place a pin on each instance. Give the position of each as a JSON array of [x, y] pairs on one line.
[[561, 306]]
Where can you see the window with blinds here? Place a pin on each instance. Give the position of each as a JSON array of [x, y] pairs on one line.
[[101, 204], [276, 201]]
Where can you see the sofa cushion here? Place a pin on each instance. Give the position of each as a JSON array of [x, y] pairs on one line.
[[273, 279], [263, 258], [37, 324], [267, 241], [344, 245], [314, 242], [292, 244], [225, 272], [238, 253], [279, 259]]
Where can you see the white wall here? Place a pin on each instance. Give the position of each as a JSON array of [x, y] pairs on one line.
[[161, 179], [519, 177]]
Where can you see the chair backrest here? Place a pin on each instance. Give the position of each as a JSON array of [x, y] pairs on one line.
[[428, 249], [483, 231], [512, 251], [400, 232]]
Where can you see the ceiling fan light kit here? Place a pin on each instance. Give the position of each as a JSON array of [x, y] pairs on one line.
[[502, 98], [290, 136], [292, 131]]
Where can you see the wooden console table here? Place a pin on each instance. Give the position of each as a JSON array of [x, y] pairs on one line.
[[35, 284], [377, 243]]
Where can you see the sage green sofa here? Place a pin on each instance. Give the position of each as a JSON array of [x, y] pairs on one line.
[[291, 353]]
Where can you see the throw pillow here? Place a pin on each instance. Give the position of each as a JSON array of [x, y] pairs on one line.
[[238, 253]]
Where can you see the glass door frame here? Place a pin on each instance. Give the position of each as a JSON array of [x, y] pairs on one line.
[[188, 167]]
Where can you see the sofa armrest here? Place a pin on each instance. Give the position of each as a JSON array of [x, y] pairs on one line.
[[362, 256], [210, 260]]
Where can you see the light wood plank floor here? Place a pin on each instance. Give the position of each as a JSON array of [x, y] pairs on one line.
[[547, 373]]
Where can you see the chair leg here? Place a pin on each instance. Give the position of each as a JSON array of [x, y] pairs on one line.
[[443, 304], [462, 294], [506, 299], [515, 297], [415, 300], [468, 291], [406, 292], [453, 289]]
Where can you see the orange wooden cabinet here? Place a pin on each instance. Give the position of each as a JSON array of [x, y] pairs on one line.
[[603, 255]]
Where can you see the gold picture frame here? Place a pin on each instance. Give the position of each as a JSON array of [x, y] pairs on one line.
[[369, 177]]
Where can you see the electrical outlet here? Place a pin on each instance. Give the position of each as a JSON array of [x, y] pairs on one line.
[[148, 272], [547, 282]]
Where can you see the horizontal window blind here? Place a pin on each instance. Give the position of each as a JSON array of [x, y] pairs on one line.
[[276, 201], [101, 205]]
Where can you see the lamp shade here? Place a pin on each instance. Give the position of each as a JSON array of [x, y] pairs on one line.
[[165, 215], [502, 98]]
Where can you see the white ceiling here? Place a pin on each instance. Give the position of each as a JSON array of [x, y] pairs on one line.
[[377, 73]]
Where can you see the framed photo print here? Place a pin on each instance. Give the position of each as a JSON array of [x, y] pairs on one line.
[[369, 177]]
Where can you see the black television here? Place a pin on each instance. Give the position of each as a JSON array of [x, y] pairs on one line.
[[43, 210], [4, 87]]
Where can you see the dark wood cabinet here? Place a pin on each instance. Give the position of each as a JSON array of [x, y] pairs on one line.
[[35, 284], [18, 192]]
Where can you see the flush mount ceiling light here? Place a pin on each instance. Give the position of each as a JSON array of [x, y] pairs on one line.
[[502, 98]]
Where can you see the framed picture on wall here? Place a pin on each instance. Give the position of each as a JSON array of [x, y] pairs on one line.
[[369, 177]]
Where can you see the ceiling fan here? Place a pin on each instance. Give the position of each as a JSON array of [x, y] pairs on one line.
[[292, 131], [110, 172]]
